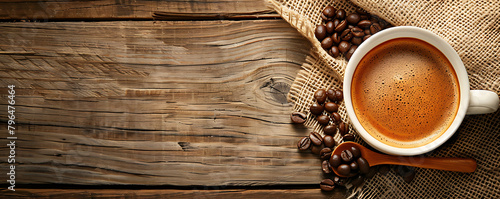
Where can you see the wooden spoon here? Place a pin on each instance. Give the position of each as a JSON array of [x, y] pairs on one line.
[[448, 164]]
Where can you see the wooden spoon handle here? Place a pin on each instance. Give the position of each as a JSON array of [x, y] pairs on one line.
[[447, 164]]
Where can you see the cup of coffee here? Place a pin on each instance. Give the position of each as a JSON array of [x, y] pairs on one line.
[[406, 91]]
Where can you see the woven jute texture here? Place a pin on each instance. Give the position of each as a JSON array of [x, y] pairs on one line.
[[473, 30]]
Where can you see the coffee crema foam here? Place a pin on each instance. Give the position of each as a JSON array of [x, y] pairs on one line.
[[405, 93]]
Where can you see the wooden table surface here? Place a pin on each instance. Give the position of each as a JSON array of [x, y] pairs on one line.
[[147, 99]]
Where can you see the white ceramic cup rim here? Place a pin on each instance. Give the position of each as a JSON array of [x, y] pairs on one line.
[[440, 44]]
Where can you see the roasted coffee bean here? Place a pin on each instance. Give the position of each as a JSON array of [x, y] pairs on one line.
[[320, 32], [330, 28], [374, 20], [325, 153], [330, 129], [357, 32], [339, 181], [340, 14], [336, 22], [342, 128], [350, 26], [336, 118], [357, 180], [364, 23], [331, 107], [341, 27], [367, 32], [374, 28], [356, 153], [304, 143], [363, 165], [316, 108], [357, 40], [329, 141], [335, 160], [384, 169], [330, 93], [353, 18], [327, 43], [323, 119], [346, 35], [320, 96], [361, 11], [348, 137], [346, 155], [344, 169], [371, 173], [351, 51], [327, 185], [325, 17], [329, 12], [336, 38], [334, 51], [364, 17], [344, 46], [325, 166], [316, 149], [316, 138], [298, 117], [366, 37], [339, 95], [354, 166]]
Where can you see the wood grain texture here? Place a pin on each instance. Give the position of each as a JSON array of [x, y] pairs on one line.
[[155, 103], [128, 9], [186, 193]]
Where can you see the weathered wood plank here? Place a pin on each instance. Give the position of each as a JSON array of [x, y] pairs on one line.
[[161, 193], [129, 9], [155, 103]]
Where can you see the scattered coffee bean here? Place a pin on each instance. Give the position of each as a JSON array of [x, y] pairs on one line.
[[335, 160], [349, 53], [298, 117], [363, 165], [316, 149], [334, 51], [336, 118], [336, 22], [353, 18], [330, 28], [356, 153], [344, 169], [348, 137], [327, 185], [344, 46], [323, 119], [316, 138], [329, 141], [361, 11], [341, 27], [346, 35], [356, 40], [384, 169], [316, 109], [330, 129], [330, 93], [357, 180], [339, 95], [329, 12], [320, 32], [366, 37], [327, 43], [331, 107], [342, 129], [374, 28], [325, 153], [325, 165], [304, 143], [364, 23], [367, 32], [340, 14], [357, 32], [320, 96], [346, 155]]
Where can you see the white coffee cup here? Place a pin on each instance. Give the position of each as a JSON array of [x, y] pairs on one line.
[[471, 101]]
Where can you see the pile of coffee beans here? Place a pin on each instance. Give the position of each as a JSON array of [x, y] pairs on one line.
[[342, 33], [349, 163]]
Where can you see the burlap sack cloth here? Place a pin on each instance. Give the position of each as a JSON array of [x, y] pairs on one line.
[[473, 29]]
